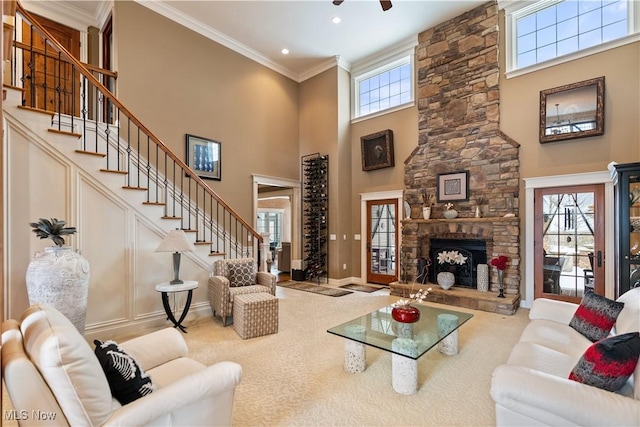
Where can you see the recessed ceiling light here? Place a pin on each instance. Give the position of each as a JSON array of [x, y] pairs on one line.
[[285, 51], [336, 20]]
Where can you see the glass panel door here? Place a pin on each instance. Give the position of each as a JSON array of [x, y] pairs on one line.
[[382, 225], [631, 269], [568, 232]]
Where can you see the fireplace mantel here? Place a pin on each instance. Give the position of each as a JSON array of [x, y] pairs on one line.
[[462, 220]]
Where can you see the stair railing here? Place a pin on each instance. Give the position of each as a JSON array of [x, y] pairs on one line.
[[81, 104]]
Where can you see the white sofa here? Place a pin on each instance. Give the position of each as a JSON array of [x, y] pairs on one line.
[[54, 378], [533, 389]]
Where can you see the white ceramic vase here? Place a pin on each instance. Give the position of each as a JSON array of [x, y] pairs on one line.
[[59, 277], [450, 213], [483, 278], [426, 212], [445, 279]]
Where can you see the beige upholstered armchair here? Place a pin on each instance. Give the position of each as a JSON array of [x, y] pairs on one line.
[[50, 369], [233, 277]]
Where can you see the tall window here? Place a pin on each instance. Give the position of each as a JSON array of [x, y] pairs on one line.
[[383, 88], [546, 30]]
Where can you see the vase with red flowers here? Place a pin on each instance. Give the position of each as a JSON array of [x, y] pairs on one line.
[[500, 263]]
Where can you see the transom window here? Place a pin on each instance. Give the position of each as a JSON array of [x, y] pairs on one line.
[[550, 29], [384, 88]]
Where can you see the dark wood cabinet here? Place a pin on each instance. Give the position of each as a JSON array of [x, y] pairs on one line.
[[626, 178]]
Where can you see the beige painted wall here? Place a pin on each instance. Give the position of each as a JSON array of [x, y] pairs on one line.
[[519, 108], [404, 124], [519, 119], [319, 134], [177, 82], [259, 116], [345, 208]]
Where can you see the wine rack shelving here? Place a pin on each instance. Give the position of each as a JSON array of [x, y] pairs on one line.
[[315, 216]]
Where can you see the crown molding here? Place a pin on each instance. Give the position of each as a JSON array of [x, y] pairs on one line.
[[517, 4], [396, 51], [212, 34], [327, 65], [104, 12], [64, 13]]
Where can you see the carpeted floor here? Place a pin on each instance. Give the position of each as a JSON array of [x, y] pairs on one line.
[[314, 288], [361, 288], [296, 377]]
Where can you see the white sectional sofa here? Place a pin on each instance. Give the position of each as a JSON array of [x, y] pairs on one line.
[[533, 389]]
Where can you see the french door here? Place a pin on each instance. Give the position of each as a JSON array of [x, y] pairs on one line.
[[569, 241], [382, 241]]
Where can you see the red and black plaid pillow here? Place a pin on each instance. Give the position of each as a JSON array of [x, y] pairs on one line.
[[608, 364], [595, 316]]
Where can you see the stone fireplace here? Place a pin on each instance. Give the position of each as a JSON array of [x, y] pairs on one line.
[[459, 121], [473, 250]]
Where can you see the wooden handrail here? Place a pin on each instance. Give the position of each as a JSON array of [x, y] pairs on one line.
[[91, 78], [42, 52]]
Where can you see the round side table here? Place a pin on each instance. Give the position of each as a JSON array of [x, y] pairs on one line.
[[166, 288]]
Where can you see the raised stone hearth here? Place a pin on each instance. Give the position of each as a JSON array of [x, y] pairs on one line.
[[462, 297], [500, 234]]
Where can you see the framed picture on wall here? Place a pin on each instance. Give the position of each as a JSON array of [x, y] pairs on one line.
[[453, 186], [377, 150], [203, 156], [572, 111]]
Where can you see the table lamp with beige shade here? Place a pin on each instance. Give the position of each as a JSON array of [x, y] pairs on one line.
[[176, 241]]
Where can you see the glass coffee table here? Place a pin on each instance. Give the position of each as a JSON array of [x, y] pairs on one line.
[[406, 342]]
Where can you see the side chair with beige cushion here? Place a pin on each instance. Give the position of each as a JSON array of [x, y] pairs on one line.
[[233, 277]]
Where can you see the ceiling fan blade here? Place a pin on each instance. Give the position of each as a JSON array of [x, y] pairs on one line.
[[386, 4]]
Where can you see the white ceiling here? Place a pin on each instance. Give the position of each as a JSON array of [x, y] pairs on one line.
[[260, 29]]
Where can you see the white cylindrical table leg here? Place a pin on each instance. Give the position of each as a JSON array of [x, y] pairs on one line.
[[355, 355], [447, 323], [404, 370], [449, 345]]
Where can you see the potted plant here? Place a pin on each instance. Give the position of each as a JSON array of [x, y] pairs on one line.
[[59, 276], [446, 279], [500, 263], [428, 200], [480, 201], [449, 212]]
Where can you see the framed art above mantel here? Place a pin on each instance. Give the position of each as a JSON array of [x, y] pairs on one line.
[[453, 186]]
